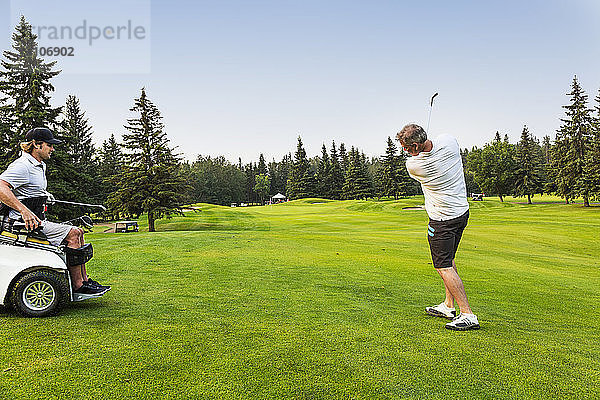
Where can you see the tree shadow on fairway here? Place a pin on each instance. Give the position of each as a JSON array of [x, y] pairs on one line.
[[215, 219]]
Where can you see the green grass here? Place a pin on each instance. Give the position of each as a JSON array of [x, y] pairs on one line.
[[312, 301]]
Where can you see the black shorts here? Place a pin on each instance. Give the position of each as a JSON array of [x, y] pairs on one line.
[[444, 237]]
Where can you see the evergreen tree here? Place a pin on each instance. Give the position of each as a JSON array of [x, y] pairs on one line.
[[250, 173], [110, 160], [546, 149], [261, 168], [73, 173], [371, 166], [300, 183], [572, 175], [389, 174], [25, 80], [344, 160], [110, 163], [273, 169], [593, 155], [528, 176], [78, 135], [357, 184], [79, 152], [150, 181], [337, 175], [5, 133], [324, 183], [407, 185]]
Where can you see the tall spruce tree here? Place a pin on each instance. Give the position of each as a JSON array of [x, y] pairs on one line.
[[150, 182], [388, 175], [110, 162], [250, 173], [593, 156], [301, 181], [261, 168], [78, 132], [573, 176], [344, 159], [324, 184], [5, 133], [25, 80], [337, 175], [528, 176], [79, 151]]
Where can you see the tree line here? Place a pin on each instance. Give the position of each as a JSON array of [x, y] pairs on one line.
[[144, 174], [568, 167]]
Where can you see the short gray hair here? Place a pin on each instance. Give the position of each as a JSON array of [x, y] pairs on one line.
[[412, 133]]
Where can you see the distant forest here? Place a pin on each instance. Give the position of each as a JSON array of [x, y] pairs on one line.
[[144, 174]]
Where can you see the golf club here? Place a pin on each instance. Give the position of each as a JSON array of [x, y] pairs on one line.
[[430, 108], [79, 204]]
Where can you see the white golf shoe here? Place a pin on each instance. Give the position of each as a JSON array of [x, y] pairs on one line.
[[464, 322], [441, 310]]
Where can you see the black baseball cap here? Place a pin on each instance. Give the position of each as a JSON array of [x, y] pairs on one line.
[[43, 135]]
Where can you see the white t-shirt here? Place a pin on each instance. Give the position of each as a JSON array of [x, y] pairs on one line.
[[440, 173]]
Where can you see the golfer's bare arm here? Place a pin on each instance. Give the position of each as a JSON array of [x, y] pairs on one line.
[[9, 198]]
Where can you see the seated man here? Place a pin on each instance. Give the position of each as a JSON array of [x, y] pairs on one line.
[[24, 179]]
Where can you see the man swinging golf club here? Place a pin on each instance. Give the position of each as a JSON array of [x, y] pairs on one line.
[[437, 165], [23, 189]]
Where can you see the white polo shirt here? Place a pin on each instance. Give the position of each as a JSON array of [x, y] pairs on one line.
[[27, 176], [440, 173]]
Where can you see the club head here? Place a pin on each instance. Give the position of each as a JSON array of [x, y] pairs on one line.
[[87, 222]]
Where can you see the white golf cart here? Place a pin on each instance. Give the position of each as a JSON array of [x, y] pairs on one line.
[[34, 279]]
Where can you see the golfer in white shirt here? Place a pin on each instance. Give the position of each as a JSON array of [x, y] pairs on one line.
[[437, 165]]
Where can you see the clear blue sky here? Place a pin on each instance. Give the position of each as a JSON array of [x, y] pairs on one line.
[[238, 78]]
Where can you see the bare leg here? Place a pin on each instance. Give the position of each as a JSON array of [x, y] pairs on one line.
[[455, 286], [449, 298], [74, 240]]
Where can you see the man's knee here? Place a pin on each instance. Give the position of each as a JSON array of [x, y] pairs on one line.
[[445, 271], [75, 236]]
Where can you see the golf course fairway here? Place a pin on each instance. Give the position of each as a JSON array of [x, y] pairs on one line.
[[319, 299]]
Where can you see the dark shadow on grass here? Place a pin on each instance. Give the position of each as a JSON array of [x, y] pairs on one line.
[[68, 310], [222, 220]]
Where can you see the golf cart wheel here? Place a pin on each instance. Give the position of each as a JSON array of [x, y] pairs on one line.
[[40, 293]]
